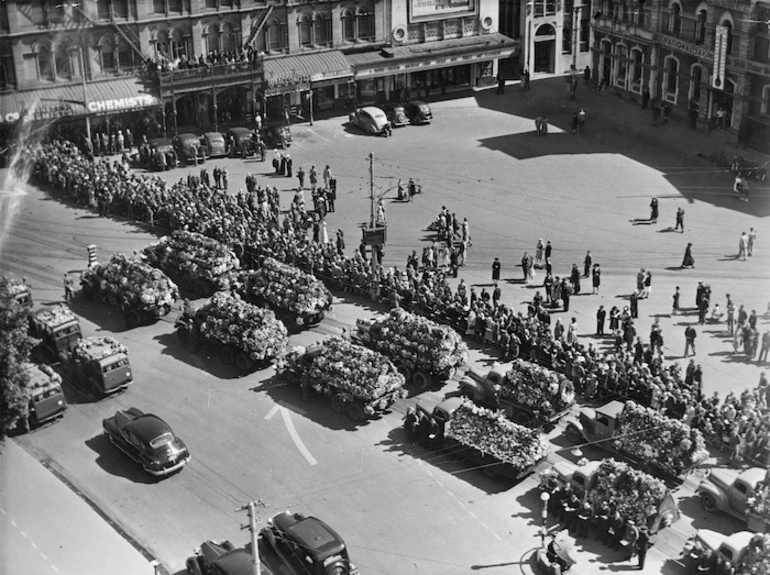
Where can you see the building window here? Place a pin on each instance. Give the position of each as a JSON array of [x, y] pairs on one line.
[[637, 70], [178, 45], [348, 27], [696, 77], [671, 79], [107, 55], [729, 25], [212, 4], [63, 65], [305, 31], [274, 41], [213, 39], [175, 6], [621, 62], [159, 6], [45, 69], [230, 38], [700, 27], [365, 23], [585, 29], [765, 109], [103, 11], [7, 70], [322, 27], [675, 20]]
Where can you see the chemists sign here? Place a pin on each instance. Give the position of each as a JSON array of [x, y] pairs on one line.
[[122, 104], [437, 9]]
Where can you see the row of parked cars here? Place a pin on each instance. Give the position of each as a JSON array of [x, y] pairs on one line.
[[377, 120]]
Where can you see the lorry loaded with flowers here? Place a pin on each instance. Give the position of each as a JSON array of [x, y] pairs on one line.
[[358, 381], [58, 330], [426, 352], [46, 398], [244, 334], [665, 447], [198, 264], [527, 393], [142, 292], [99, 364], [481, 437], [297, 298]]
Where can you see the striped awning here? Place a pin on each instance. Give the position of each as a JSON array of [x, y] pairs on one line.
[[298, 71], [54, 101]]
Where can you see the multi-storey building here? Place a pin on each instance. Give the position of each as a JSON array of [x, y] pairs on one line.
[[710, 59], [169, 64]]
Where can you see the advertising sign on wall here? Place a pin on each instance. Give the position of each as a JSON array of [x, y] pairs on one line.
[[420, 10], [720, 58]]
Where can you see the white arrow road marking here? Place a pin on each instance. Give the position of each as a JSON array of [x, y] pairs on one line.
[[286, 416]]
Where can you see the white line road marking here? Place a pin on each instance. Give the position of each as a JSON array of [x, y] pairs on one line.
[[3, 511], [496, 535], [294, 408], [23, 534], [54, 568], [34, 546], [13, 523], [295, 436], [484, 525], [319, 135], [43, 555], [273, 411]]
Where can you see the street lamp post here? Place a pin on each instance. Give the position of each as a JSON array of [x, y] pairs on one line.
[[85, 90], [544, 497]]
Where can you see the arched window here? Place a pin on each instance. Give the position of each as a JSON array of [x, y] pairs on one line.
[[213, 39], [729, 25], [348, 26], [671, 78], [120, 9], [45, 69], [621, 61], [103, 11], [637, 70], [228, 38], [159, 6], [161, 44], [675, 22], [178, 44], [274, 36], [107, 57], [322, 27], [305, 30], [175, 6], [765, 106], [365, 23], [63, 65], [700, 27], [696, 78]]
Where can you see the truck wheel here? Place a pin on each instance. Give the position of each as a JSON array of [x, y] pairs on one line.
[[132, 319], [355, 411], [573, 434], [466, 393], [244, 362], [406, 372], [193, 566], [422, 380], [202, 288], [521, 417], [709, 502], [337, 403], [227, 354]]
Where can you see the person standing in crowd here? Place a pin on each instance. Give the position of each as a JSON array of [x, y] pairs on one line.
[[675, 304], [750, 243], [730, 313], [301, 176], [634, 303], [69, 295], [689, 338], [643, 543], [313, 178], [539, 251], [548, 250], [224, 178], [587, 261], [496, 270], [572, 331], [566, 292], [289, 166], [743, 246], [765, 347], [640, 282], [647, 284], [327, 176], [601, 314], [654, 210], [582, 121], [679, 220], [596, 278], [688, 261], [575, 279], [331, 194], [500, 85]]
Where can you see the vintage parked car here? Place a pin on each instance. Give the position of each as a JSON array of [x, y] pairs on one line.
[[162, 154], [240, 142], [371, 120], [187, 146], [214, 144], [396, 114], [223, 559], [418, 112], [148, 440], [278, 136]]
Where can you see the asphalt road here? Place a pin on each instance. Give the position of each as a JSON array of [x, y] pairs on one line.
[[399, 508]]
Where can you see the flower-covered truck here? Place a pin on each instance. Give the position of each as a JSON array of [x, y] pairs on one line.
[[142, 292], [707, 551], [636, 494], [428, 354], [198, 264], [244, 334], [46, 398], [743, 494], [358, 381], [527, 393], [58, 330], [663, 446], [480, 437], [297, 298], [99, 363]]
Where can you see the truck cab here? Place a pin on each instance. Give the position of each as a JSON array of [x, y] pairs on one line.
[[706, 543], [58, 330], [728, 490], [595, 424], [47, 401], [483, 386], [307, 546], [102, 364]]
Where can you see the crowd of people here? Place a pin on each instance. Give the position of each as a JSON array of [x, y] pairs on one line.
[[253, 224]]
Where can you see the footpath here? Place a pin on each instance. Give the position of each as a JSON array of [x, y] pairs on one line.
[[72, 540]]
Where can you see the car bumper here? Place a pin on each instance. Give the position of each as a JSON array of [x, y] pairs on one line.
[[168, 470]]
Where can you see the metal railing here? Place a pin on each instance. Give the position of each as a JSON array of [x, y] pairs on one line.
[[206, 72]]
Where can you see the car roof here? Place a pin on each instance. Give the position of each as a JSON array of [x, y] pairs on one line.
[[160, 142], [419, 102], [187, 136], [313, 534], [372, 110], [240, 131], [237, 562], [148, 426], [612, 409], [753, 475]]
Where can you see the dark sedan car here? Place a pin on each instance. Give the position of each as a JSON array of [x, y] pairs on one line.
[[188, 147], [396, 114], [162, 154], [278, 136], [418, 112], [148, 440], [240, 142], [214, 143]]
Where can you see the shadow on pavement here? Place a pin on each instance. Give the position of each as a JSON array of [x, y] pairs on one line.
[[115, 462], [108, 318], [204, 358]]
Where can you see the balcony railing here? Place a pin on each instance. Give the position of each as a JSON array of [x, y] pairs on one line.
[[187, 75]]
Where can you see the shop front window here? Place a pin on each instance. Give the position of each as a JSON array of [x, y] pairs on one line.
[[621, 54], [671, 79]]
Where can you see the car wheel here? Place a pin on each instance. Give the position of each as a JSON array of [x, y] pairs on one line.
[[244, 362], [573, 434], [355, 411], [421, 380], [709, 502]]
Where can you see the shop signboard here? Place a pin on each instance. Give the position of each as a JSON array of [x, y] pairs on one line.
[[421, 10], [375, 236], [122, 104]]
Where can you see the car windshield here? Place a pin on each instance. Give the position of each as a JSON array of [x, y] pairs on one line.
[[115, 365], [161, 440], [379, 116], [424, 108]]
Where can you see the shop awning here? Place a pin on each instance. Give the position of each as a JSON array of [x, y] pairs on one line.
[[429, 55], [299, 71], [58, 101]]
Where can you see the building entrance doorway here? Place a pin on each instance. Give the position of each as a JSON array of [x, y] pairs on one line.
[[545, 49]]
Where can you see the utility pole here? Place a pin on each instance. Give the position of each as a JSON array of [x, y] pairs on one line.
[[251, 509], [371, 188], [85, 89]]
